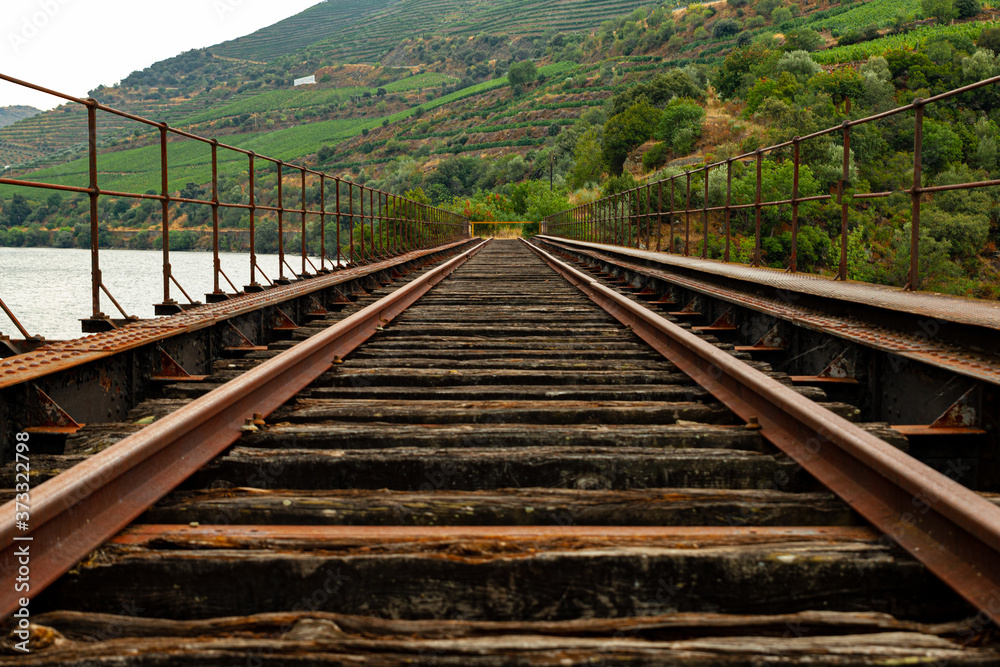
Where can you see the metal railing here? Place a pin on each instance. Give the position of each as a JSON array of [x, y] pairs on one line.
[[625, 219], [390, 226]]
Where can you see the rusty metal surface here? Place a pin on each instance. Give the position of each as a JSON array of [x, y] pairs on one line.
[[952, 530], [110, 489], [918, 346], [433, 226], [57, 357]]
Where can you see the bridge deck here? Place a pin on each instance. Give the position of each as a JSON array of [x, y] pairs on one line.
[[942, 307]]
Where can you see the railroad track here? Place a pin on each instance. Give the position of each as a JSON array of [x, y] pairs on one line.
[[502, 472]]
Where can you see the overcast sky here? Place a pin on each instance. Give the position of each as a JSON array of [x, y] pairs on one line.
[[76, 45]]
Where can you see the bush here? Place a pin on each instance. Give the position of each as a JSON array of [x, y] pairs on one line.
[[655, 157], [989, 38], [684, 140], [967, 8], [680, 114], [781, 15], [965, 234], [802, 39], [725, 28]]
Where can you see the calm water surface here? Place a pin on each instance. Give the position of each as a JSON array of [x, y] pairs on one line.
[[49, 288]]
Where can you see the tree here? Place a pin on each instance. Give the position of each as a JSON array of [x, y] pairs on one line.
[[740, 69], [839, 84], [627, 130], [17, 211], [781, 15], [658, 92], [588, 164], [800, 64], [941, 145], [967, 8], [724, 28], [521, 74], [680, 114], [802, 39], [942, 10], [989, 38]]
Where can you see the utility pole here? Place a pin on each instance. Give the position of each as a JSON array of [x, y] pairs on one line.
[[550, 171]]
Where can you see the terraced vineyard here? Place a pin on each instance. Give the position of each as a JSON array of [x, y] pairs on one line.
[[301, 30], [877, 12], [457, 17], [856, 52], [138, 169]]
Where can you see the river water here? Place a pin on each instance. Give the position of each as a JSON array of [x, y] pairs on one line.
[[48, 289]]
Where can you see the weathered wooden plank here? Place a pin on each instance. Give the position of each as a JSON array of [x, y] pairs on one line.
[[510, 412], [535, 507], [490, 468], [341, 376], [72, 638], [509, 573], [353, 435], [512, 361]]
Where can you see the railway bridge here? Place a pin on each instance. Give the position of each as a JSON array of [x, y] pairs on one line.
[[590, 447]]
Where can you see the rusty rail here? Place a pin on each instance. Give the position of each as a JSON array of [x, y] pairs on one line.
[[600, 221], [110, 489], [952, 530], [402, 224]]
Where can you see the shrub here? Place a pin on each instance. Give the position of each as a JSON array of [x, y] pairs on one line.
[[680, 113], [725, 28], [655, 157]]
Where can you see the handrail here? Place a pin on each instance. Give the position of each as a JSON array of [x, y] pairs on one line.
[[601, 222], [393, 224]]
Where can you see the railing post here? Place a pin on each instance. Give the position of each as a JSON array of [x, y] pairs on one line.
[[165, 216], [362, 198], [371, 219], [757, 208], [913, 281], [281, 226], [382, 229], [251, 188], [337, 181], [215, 218], [793, 261], [95, 260], [687, 218], [842, 269], [729, 201], [704, 220], [304, 208], [322, 222], [672, 181], [659, 214], [649, 216], [350, 207]]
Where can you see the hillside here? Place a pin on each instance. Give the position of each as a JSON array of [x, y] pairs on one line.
[[479, 122], [10, 115], [364, 31]]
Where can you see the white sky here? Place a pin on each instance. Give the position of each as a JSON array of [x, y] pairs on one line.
[[73, 46]]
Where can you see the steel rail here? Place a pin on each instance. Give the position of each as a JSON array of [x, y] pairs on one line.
[[953, 531], [77, 511]]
